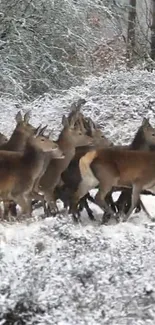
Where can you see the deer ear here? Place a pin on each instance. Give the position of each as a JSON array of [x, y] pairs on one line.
[[80, 102], [91, 126], [18, 117], [41, 132], [27, 116], [50, 135], [145, 122], [65, 122], [37, 131]]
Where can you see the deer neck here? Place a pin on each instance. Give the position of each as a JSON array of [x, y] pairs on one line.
[[33, 159], [139, 142], [140, 146], [67, 146]]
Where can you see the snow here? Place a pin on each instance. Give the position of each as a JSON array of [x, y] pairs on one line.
[[55, 272]]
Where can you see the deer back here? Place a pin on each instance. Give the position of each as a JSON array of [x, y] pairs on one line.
[[125, 166]]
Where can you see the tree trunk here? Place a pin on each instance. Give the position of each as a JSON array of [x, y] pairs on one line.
[[131, 33], [153, 31]]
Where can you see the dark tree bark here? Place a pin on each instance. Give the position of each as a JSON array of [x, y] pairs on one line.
[[131, 33], [153, 30]]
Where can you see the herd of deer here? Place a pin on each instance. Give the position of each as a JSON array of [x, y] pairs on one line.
[[34, 168]]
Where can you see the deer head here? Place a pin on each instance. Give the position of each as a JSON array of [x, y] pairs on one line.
[[46, 145], [23, 124], [148, 132], [77, 136], [96, 133]]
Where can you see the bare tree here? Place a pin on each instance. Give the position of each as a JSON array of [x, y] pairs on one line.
[[48, 45], [153, 30], [131, 31]]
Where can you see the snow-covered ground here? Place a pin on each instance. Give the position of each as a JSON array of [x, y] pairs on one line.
[[55, 272]]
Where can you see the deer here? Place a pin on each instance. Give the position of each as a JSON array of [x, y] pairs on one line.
[[72, 120], [145, 136], [113, 167], [17, 142], [90, 128], [19, 170], [69, 138], [73, 116], [144, 139], [71, 175]]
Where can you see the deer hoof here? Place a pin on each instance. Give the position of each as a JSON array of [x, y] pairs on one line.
[[75, 218]]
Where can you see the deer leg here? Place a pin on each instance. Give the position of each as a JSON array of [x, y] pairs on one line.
[[39, 197], [6, 209], [110, 201], [52, 207], [145, 210], [100, 200], [47, 210], [50, 202], [89, 211], [13, 208], [1, 211], [36, 186], [135, 197], [105, 178], [36, 204], [10, 206], [36, 197], [90, 198], [84, 204], [25, 203], [124, 201], [127, 203], [80, 193], [139, 206]]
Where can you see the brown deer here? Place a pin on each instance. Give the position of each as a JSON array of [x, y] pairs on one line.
[[75, 116], [144, 138], [69, 138], [19, 171], [71, 176], [88, 160], [17, 142], [115, 167]]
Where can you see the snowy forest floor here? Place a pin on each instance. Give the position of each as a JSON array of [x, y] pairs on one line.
[[55, 272]]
